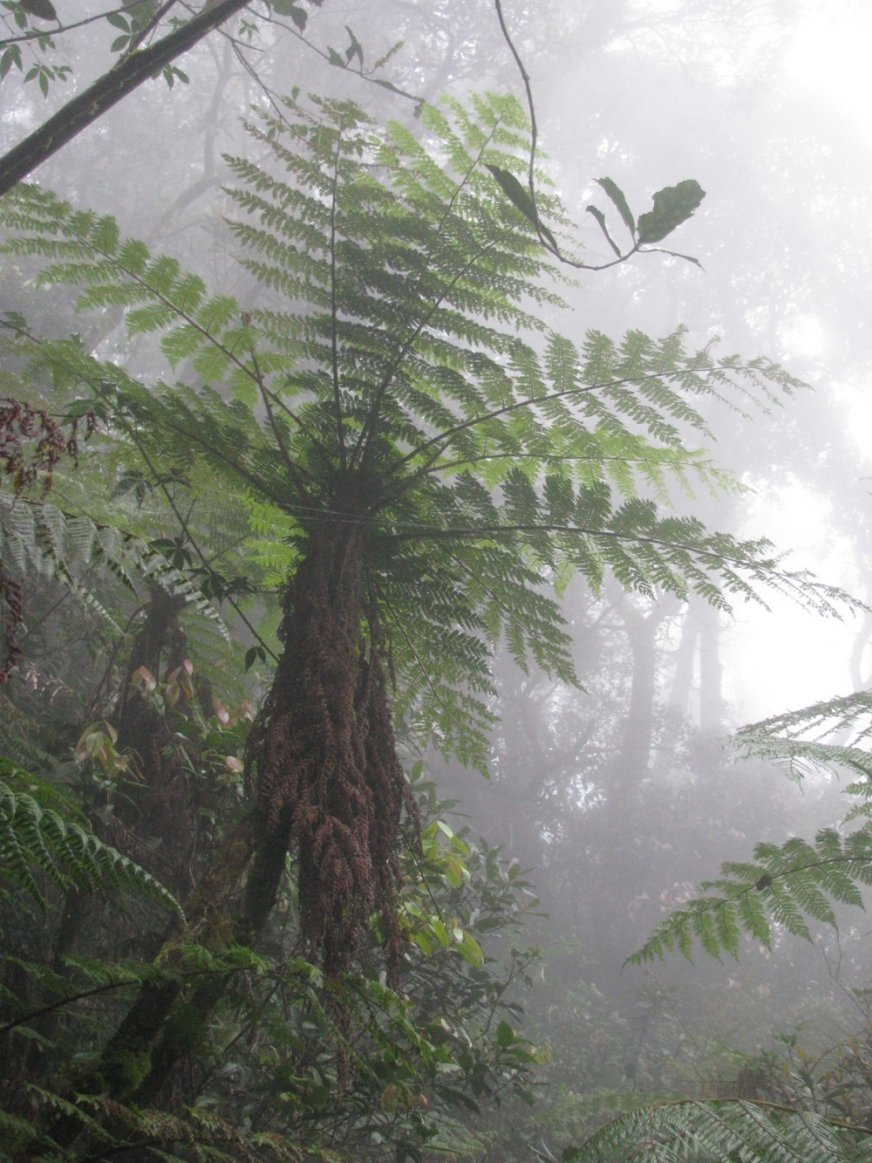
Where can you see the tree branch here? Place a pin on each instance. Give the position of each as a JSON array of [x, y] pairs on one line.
[[121, 80]]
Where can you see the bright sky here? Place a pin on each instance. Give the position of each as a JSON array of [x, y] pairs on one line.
[[830, 57], [790, 658]]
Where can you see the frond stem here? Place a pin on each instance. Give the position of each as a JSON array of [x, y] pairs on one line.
[[334, 309], [445, 437], [553, 458], [372, 417], [265, 395]]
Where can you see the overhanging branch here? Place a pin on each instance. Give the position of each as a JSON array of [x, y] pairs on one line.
[[121, 80]]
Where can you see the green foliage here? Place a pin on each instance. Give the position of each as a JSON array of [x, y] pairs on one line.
[[786, 885], [520, 198], [396, 361], [42, 9], [43, 70], [779, 892], [270, 1054], [804, 741], [62, 546], [192, 1133], [781, 887], [690, 1131], [393, 373], [35, 836], [672, 206]]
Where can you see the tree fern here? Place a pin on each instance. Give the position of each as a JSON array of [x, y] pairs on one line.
[[439, 457], [34, 836], [395, 353], [691, 1131], [404, 267]]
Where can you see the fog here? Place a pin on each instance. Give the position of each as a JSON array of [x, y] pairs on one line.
[[617, 796]]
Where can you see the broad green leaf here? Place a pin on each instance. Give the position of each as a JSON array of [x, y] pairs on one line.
[[601, 219], [520, 199], [118, 21], [616, 194], [672, 206], [470, 950], [41, 9], [505, 1035], [289, 8]]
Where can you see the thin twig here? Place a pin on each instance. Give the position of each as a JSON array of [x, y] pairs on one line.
[[41, 33], [531, 176]]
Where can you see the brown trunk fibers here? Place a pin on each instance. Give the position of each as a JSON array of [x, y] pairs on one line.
[[328, 788], [327, 775]]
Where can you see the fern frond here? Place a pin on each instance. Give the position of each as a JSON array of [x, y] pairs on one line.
[[62, 546], [832, 734], [784, 885], [755, 1132], [34, 836], [397, 356]]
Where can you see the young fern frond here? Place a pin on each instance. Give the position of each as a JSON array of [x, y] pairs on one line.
[[788, 885], [35, 836], [833, 734], [755, 1132]]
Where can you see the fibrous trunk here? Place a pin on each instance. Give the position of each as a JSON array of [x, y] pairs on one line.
[[329, 785]]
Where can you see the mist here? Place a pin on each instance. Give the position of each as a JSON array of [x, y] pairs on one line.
[[570, 799]]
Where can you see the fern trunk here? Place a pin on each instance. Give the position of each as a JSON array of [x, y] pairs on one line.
[[323, 758]]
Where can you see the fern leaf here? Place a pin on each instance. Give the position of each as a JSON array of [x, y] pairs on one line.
[[755, 1132], [397, 352], [33, 836], [783, 886], [60, 546]]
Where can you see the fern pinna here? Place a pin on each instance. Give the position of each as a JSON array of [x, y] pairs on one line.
[[441, 454], [35, 835]]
